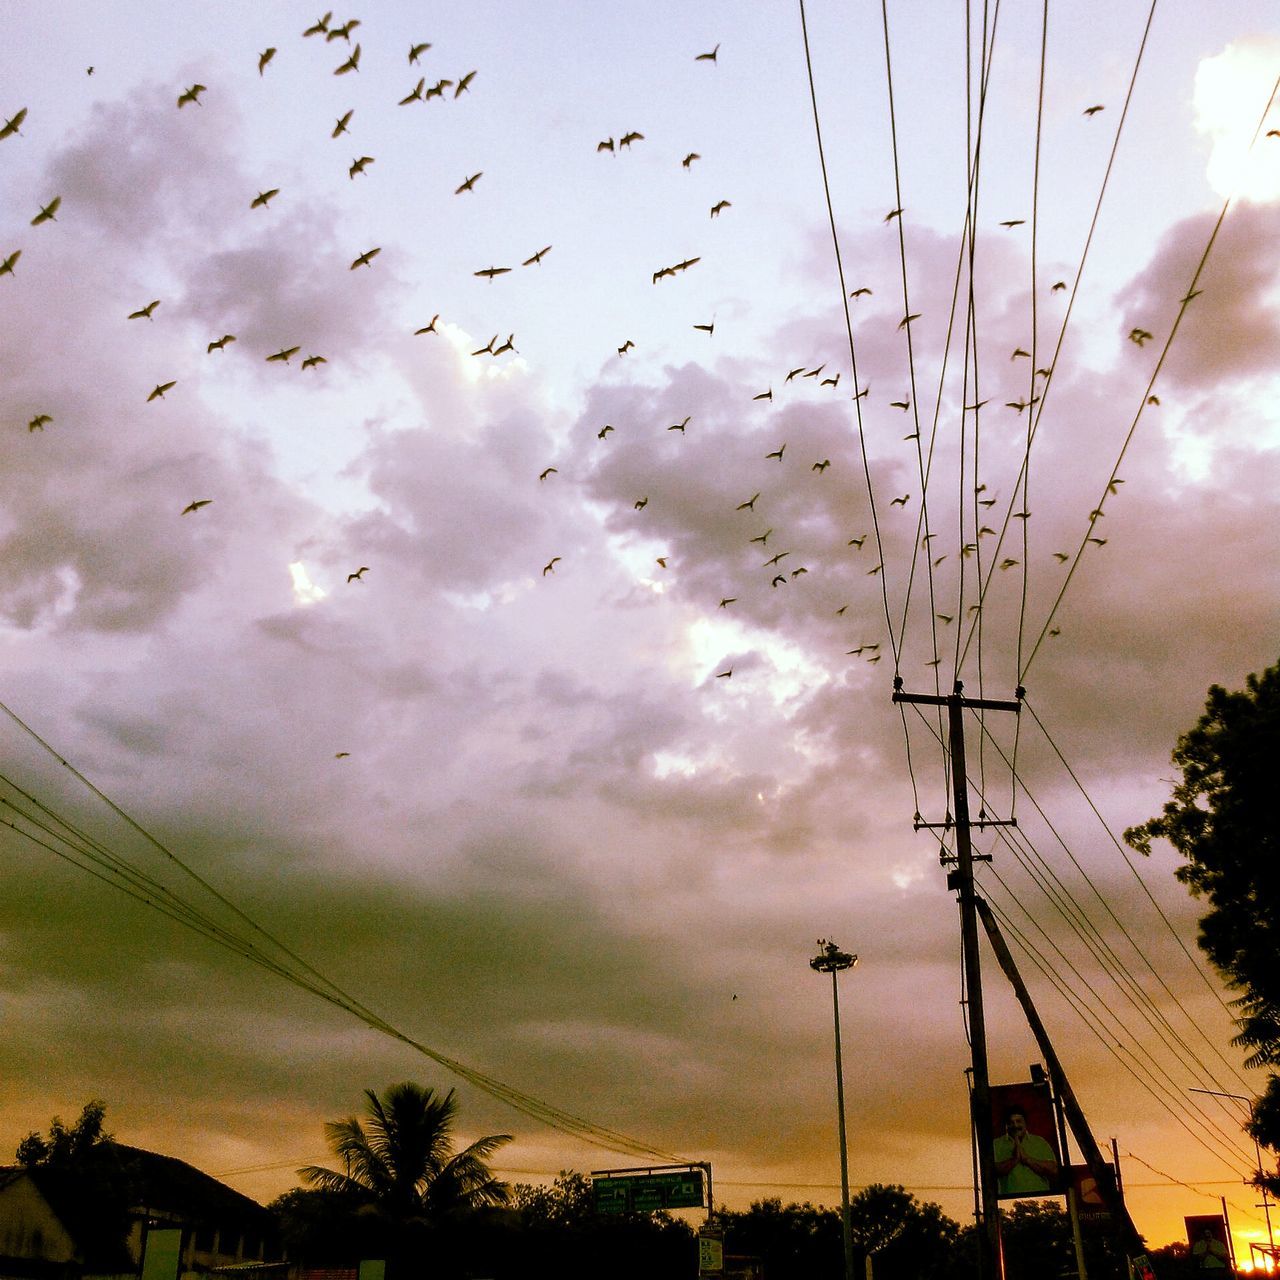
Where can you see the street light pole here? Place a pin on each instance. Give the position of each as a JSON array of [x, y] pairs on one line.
[[1257, 1150], [833, 961]]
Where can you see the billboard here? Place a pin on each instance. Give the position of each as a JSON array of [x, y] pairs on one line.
[[1024, 1140], [1207, 1242]]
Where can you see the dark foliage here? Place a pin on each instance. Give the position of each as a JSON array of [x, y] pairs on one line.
[[1220, 821]]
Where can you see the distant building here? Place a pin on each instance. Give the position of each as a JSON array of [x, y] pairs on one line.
[[92, 1220]]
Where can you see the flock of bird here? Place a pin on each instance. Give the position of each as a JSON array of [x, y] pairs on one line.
[[776, 574]]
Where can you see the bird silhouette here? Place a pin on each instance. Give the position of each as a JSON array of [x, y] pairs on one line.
[[726, 601], [906, 320], [1058, 286], [160, 389], [856, 542], [351, 64], [860, 292], [341, 755], [263, 198], [490, 272], [264, 57], [537, 257], [38, 422], [7, 266], [14, 123], [724, 675], [1093, 111], [469, 183], [777, 453], [604, 431], [487, 349], [358, 165], [464, 85], [365, 259], [706, 328], [708, 57], [219, 344], [509, 345], [605, 145], [1014, 222], [893, 213], [550, 471], [550, 566], [750, 504], [358, 576], [904, 405], [343, 32], [1061, 557], [144, 313], [319, 27], [340, 125], [718, 206], [417, 50], [821, 466], [628, 138], [47, 213], [641, 503], [900, 502], [415, 94], [626, 346], [191, 94], [690, 158], [794, 373], [773, 563], [762, 538], [680, 426], [661, 562], [834, 381], [779, 581], [311, 361], [1138, 336], [283, 354], [764, 395], [427, 328], [196, 505]]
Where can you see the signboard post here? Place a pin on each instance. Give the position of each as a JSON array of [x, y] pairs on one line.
[[711, 1251], [648, 1190]]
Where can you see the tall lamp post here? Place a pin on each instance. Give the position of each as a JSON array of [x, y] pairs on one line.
[[833, 961], [1257, 1149]]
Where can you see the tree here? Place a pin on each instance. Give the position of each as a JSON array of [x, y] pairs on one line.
[[1219, 820], [65, 1148], [403, 1163]]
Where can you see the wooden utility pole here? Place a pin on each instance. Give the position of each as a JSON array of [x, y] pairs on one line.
[[961, 880]]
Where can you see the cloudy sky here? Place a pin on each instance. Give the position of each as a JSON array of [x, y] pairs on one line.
[[501, 788]]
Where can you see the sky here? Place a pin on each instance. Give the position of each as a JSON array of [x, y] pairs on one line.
[[502, 787]]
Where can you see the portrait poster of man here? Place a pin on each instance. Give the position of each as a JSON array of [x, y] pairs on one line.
[[1207, 1244], [1025, 1141]]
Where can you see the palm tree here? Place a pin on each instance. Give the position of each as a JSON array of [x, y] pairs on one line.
[[401, 1159]]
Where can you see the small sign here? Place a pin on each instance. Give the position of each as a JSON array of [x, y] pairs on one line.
[[648, 1192], [710, 1252]]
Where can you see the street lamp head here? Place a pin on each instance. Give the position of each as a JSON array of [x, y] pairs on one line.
[[831, 959]]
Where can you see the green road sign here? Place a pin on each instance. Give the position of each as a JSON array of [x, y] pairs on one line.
[[648, 1192]]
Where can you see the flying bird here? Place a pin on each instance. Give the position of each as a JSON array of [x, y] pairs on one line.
[[343, 32], [777, 453], [351, 64], [311, 361], [834, 381], [469, 183], [680, 426], [264, 57], [219, 344], [264, 198], [365, 259], [706, 328], [1093, 111], [550, 471], [550, 566], [900, 502], [606, 145], [856, 542], [415, 95], [14, 123], [906, 320], [320, 27], [47, 213], [1018, 351], [427, 328], [726, 601], [464, 85], [341, 755], [196, 505], [37, 423], [794, 373], [724, 675], [417, 50], [1058, 286], [359, 166], [763, 538], [190, 95], [641, 503], [859, 292], [720, 204], [1061, 557], [773, 563], [537, 257], [893, 213], [780, 580], [904, 405], [628, 138], [690, 158], [1014, 222], [437, 89], [358, 576], [340, 125], [813, 373], [144, 313], [764, 395], [1098, 542], [1138, 336], [487, 349], [750, 504], [283, 354], [661, 562], [490, 272], [509, 345], [708, 57], [7, 266], [626, 346], [604, 431], [820, 467]]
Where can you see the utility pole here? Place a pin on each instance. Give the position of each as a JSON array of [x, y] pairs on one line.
[[961, 880], [1265, 1206]]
